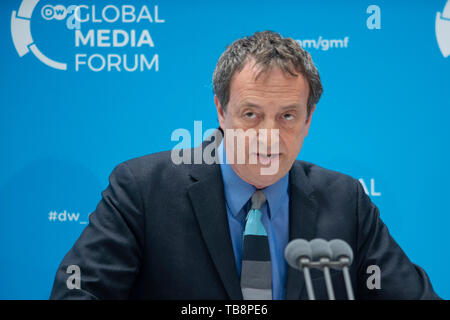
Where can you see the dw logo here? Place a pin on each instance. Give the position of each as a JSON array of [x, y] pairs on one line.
[[443, 30], [58, 12]]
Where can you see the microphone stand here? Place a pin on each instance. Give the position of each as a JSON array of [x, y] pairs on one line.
[[324, 262], [304, 266], [348, 284]]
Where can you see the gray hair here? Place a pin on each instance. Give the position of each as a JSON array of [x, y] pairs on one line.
[[267, 49]]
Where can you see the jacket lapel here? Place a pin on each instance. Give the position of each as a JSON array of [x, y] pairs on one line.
[[302, 222], [208, 200]]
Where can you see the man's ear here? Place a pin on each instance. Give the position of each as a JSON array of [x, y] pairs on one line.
[[308, 121], [220, 112]]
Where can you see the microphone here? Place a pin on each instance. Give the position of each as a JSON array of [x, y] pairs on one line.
[[321, 252], [323, 255], [343, 253], [298, 256]]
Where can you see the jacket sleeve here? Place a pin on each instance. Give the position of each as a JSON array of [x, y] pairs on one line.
[[108, 252], [378, 251]]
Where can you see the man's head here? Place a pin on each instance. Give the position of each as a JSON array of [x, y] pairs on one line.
[[266, 82]]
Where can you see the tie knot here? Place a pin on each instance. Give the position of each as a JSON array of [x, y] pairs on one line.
[[258, 199]]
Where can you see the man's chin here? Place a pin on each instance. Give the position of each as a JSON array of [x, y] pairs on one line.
[[261, 181], [260, 176]]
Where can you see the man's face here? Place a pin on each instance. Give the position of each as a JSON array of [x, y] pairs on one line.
[[274, 100]]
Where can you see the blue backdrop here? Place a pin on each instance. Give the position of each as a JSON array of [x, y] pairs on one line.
[[76, 102]]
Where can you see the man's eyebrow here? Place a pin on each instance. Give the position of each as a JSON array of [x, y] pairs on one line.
[[291, 106], [287, 107]]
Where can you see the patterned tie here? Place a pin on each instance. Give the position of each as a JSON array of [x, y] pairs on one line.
[[256, 275]]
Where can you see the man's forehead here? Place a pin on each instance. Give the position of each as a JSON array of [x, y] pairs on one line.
[[250, 84]]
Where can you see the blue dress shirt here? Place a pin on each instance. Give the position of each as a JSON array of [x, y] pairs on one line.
[[275, 218]]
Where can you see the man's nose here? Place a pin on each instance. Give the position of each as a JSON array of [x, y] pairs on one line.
[[268, 123], [268, 134]]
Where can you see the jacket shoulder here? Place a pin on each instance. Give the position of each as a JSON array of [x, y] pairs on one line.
[[155, 167], [325, 180]]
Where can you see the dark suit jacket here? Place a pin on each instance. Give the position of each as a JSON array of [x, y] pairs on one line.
[[160, 231]]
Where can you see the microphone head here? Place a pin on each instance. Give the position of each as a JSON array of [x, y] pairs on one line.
[[320, 249], [295, 250], [340, 249]]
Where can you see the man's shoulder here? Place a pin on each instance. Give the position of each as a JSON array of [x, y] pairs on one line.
[[156, 167], [150, 161], [325, 180]]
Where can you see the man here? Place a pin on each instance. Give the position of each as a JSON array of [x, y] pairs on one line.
[[218, 231]]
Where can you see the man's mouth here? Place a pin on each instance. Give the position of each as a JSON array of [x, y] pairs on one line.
[[266, 159]]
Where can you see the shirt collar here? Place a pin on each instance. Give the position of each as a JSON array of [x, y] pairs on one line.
[[238, 192]]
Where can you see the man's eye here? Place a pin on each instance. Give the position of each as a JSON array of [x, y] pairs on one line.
[[250, 115], [288, 116]]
